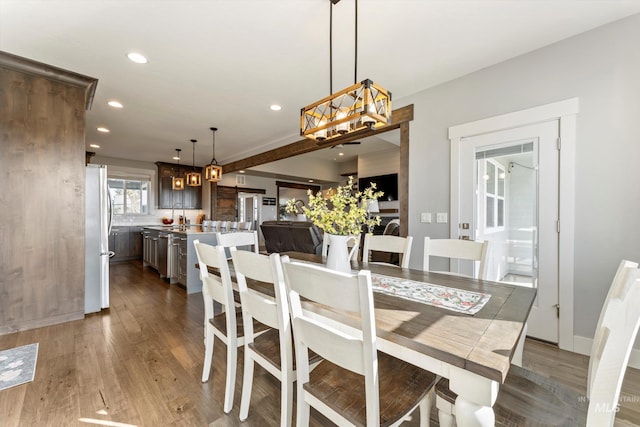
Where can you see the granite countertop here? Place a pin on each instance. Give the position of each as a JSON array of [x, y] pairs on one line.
[[183, 229]]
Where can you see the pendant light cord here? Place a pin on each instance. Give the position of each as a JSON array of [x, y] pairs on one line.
[[330, 47], [213, 160], [193, 158], [355, 62]]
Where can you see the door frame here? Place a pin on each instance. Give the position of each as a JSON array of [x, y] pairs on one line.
[[565, 112]]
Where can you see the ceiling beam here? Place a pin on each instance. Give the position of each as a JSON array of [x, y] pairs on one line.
[[306, 145]]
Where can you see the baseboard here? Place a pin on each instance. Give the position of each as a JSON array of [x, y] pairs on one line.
[[583, 345], [39, 323]]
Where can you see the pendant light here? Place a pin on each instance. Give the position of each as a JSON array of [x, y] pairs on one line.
[[364, 105], [194, 178], [213, 172], [177, 182]]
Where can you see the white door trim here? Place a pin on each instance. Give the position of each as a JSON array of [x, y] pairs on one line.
[[564, 111]]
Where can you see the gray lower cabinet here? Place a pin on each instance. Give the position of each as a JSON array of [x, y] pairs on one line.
[[119, 243], [135, 242], [177, 254], [126, 242], [173, 255], [155, 250], [149, 248]]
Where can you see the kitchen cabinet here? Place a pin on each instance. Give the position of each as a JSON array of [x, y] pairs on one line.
[[135, 242], [181, 273], [126, 242], [119, 243], [189, 198], [149, 248], [156, 245]]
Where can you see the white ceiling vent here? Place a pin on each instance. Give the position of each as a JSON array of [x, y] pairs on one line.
[[240, 179]]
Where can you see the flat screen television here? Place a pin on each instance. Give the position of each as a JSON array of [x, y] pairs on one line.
[[386, 183]]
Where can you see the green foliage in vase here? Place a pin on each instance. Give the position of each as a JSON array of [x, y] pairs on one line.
[[343, 212]]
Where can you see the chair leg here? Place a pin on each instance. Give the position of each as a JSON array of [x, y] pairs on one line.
[[232, 356], [425, 409], [446, 413], [286, 401], [208, 353], [247, 386], [302, 413]]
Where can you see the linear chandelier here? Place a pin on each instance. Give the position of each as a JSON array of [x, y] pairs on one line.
[[213, 172], [194, 178], [364, 105]]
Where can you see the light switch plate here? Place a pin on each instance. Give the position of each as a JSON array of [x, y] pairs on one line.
[[441, 217], [425, 217]]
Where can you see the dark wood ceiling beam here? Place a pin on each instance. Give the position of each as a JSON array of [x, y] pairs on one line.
[[398, 116]]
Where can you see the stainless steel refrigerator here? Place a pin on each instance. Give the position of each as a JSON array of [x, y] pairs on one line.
[[98, 217]]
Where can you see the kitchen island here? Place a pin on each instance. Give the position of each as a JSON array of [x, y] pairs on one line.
[[170, 251]]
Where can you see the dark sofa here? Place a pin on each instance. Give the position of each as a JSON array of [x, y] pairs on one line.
[[298, 236]]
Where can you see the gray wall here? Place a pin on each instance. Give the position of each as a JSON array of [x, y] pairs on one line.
[[601, 68]]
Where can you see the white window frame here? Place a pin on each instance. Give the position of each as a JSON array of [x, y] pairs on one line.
[[140, 183], [485, 193]]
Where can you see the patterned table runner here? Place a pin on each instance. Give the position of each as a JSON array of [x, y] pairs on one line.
[[467, 302]]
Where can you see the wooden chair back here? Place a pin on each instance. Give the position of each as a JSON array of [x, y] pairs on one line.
[[387, 243], [457, 249], [615, 334]]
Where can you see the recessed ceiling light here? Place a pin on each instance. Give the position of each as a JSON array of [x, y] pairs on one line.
[[115, 104], [310, 180], [340, 154], [275, 107], [103, 129], [241, 171], [176, 158], [137, 58], [94, 146]]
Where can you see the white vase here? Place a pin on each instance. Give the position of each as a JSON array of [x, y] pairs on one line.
[[339, 256]]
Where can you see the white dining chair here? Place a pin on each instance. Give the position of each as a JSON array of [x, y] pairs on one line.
[[245, 225], [239, 239], [272, 350], [355, 384], [456, 249], [353, 242], [226, 324], [529, 398], [387, 243]]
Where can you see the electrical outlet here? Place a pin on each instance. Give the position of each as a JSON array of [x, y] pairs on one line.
[[425, 217], [441, 217]]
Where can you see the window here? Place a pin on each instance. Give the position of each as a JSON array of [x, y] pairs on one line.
[[494, 192], [129, 196]]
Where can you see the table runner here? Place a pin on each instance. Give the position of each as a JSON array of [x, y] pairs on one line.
[[459, 300]]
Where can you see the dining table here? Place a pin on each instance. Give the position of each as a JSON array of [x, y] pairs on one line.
[[472, 348]]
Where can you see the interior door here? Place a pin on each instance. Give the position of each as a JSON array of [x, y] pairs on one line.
[[508, 194]]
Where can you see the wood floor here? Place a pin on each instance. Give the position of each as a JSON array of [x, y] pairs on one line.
[[140, 363]]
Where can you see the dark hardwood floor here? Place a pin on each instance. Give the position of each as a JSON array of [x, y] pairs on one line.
[[140, 362]]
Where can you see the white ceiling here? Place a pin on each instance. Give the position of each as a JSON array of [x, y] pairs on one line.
[[223, 62]]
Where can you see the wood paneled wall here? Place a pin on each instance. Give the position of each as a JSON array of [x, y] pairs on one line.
[[42, 193]]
